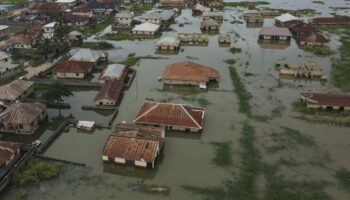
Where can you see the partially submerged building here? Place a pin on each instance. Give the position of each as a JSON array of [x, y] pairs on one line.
[[73, 69], [275, 33], [22, 117], [336, 20], [109, 93], [253, 16], [224, 38], [210, 25], [152, 17], [160, 131], [192, 38], [147, 29], [190, 73], [199, 9], [326, 101], [215, 15], [168, 43], [16, 90], [114, 72], [171, 116], [283, 19], [133, 147]]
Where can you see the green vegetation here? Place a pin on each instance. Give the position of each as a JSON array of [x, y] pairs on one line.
[[13, 1], [95, 27], [122, 35], [36, 171], [97, 45], [343, 176], [132, 59], [298, 12], [235, 50], [55, 93], [319, 2], [203, 102], [322, 51], [246, 4], [140, 7], [18, 195], [222, 154], [293, 135], [27, 55], [230, 61], [241, 92]]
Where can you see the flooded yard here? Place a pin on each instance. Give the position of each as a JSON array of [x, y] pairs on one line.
[[274, 147]]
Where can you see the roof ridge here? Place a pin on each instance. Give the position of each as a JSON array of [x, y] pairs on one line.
[[190, 116], [157, 103]]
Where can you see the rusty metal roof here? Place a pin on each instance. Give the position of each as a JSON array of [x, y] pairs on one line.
[[22, 113], [143, 128], [189, 71], [7, 151], [14, 89], [326, 99], [73, 66], [170, 114], [132, 145], [111, 90]]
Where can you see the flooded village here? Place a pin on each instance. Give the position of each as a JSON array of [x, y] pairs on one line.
[[175, 99]]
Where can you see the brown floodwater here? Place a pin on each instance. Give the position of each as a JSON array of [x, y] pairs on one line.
[[187, 158]]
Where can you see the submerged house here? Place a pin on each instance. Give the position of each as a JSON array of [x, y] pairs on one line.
[[72, 69], [172, 3], [22, 117], [133, 147], [160, 131], [9, 155], [283, 20], [210, 25], [109, 93], [16, 90], [171, 116], [326, 101], [215, 15], [168, 43], [336, 20], [146, 29], [253, 16], [199, 9], [189, 73], [275, 33], [114, 72], [4, 31], [306, 34]]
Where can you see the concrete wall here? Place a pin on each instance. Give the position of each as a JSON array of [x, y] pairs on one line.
[[105, 102], [140, 163], [153, 21], [179, 82], [143, 33], [70, 75], [125, 21]]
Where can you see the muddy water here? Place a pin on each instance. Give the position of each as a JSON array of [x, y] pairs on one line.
[[186, 158]]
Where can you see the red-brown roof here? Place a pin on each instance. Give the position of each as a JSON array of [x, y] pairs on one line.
[[314, 37], [303, 27], [190, 71], [73, 66], [169, 114], [110, 90], [133, 145], [45, 6], [326, 99], [275, 31], [331, 20], [7, 150], [22, 113], [76, 18], [140, 127]]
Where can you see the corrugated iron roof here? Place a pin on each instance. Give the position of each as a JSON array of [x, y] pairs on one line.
[[113, 71], [190, 71], [7, 150], [22, 113], [111, 90], [275, 31], [169, 114], [14, 89], [132, 145], [326, 99], [73, 66]]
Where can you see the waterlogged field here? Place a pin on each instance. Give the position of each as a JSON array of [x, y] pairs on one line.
[[255, 144]]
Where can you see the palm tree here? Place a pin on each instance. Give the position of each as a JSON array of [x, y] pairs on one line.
[[55, 93]]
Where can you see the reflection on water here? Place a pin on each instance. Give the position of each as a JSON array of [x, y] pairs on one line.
[[268, 44]]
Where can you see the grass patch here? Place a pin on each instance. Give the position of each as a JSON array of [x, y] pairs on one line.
[[277, 112], [36, 171], [297, 137], [246, 4], [140, 7], [123, 35], [241, 92], [230, 61], [235, 50], [27, 55], [343, 176], [13, 1], [222, 154], [132, 59], [321, 51], [318, 2], [96, 27], [97, 45], [203, 102]]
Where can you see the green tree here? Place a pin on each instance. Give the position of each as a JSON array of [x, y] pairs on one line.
[[55, 93], [61, 29]]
